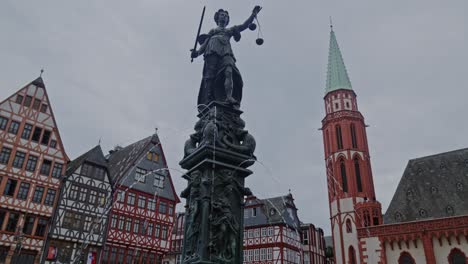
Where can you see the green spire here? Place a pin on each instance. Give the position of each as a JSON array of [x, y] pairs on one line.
[[337, 77]]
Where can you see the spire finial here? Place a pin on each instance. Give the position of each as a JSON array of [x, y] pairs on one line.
[[331, 23], [42, 71], [100, 139]]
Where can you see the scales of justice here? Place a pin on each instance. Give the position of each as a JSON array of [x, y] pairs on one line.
[[217, 155]]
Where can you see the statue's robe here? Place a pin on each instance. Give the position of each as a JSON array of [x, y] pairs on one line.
[[218, 57]]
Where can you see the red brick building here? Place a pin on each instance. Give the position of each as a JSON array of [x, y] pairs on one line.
[[32, 162], [427, 220]]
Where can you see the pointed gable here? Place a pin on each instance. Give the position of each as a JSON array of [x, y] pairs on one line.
[[31, 105], [275, 210], [337, 76], [431, 187], [125, 163], [94, 156]]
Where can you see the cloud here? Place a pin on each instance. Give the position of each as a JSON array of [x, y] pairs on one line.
[[119, 69]]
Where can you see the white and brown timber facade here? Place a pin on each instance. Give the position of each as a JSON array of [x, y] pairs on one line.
[[32, 162]]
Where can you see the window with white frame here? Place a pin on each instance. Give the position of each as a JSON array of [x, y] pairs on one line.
[[257, 232], [158, 181], [264, 231], [140, 174], [250, 233], [269, 253], [262, 254], [270, 231]]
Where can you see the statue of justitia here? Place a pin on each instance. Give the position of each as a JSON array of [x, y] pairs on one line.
[[222, 80]]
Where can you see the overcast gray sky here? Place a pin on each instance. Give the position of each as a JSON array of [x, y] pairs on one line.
[[117, 69]]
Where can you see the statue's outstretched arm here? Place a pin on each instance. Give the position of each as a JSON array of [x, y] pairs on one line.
[[249, 20]]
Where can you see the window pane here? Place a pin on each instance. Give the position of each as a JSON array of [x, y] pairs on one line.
[[41, 227], [19, 159], [10, 187], [57, 171], [26, 131], [36, 104], [50, 197], [31, 164], [19, 99], [27, 101], [12, 222], [3, 123], [23, 191], [38, 193], [28, 225], [46, 137], [36, 134], [45, 168], [43, 108], [14, 126], [5, 155]]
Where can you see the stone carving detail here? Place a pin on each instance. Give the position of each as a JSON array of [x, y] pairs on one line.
[[221, 129]]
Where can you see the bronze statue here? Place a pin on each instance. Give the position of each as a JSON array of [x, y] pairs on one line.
[[222, 80]]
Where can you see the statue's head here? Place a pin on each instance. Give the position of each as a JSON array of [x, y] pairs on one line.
[[221, 18]]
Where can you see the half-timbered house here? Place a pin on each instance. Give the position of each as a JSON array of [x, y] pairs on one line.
[[80, 220], [313, 245], [272, 232], [32, 162], [143, 212]]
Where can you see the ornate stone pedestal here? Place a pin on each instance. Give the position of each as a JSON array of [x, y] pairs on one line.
[[217, 156]]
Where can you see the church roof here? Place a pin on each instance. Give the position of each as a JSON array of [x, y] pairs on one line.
[[276, 210], [337, 76], [431, 187]]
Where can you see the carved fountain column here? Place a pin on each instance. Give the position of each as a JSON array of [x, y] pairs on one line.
[[216, 158]]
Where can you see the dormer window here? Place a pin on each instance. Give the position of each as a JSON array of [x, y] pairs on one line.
[[152, 156], [254, 212], [272, 211]]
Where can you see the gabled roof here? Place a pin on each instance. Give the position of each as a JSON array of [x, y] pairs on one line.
[[93, 155], [431, 187], [123, 159], [337, 76], [39, 82], [273, 211], [124, 162]]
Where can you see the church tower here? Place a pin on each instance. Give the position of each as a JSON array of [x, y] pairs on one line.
[[350, 185]]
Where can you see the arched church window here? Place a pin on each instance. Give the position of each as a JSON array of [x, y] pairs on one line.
[[357, 171], [344, 179], [349, 226], [456, 256], [353, 136], [332, 179], [406, 258], [328, 142], [339, 138], [352, 255]]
